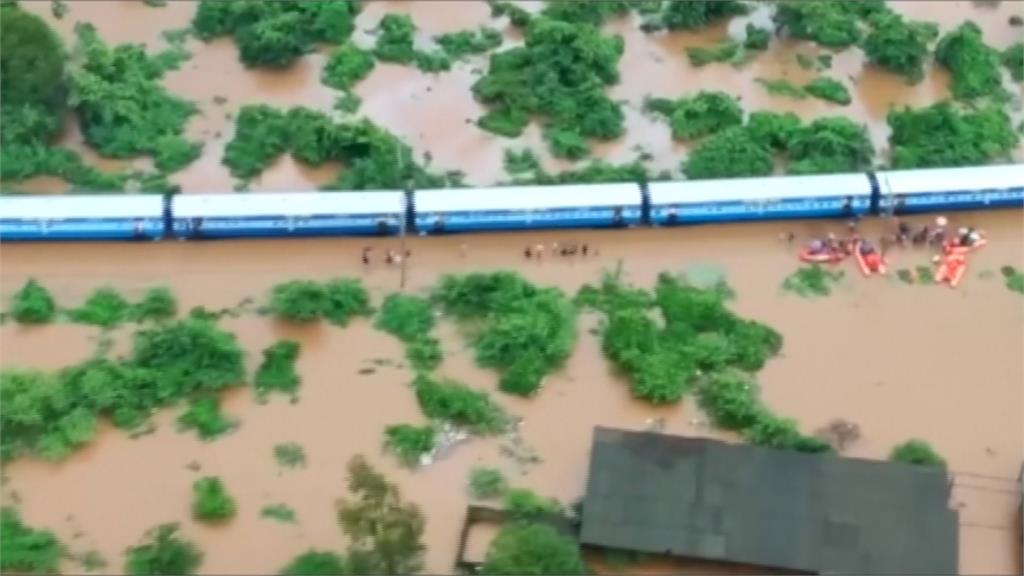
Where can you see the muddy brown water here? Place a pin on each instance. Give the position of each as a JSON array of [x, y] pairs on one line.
[[900, 361], [434, 112]]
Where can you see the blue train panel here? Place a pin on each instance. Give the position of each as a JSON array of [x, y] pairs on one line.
[[265, 227], [755, 210], [942, 189], [475, 221], [81, 229]]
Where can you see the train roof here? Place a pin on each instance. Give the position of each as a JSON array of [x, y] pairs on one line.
[[81, 207], [753, 189], [528, 197], [287, 204], [952, 179]]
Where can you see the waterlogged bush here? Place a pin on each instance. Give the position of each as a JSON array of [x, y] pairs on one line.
[[410, 319], [105, 308], [943, 135], [157, 304], [812, 281], [33, 304], [593, 13], [522, 331], [525, 168], [522, 503], [523, 548], [830, 90], [697, 116], [40, 416], [261, 135], [24, 549], [459, 404], [487, 483], [162, 551], [204, 416], [774, 130], [408, 443], [973, 64], [395, 38], [1013, 59], [211, 501], [275, 34], [830, 24], [278, 512], [830, 145], [347, 65], [731, 153], [315, 563], [691, 14], [189, 356], [900, 46], [464, 43], [531, 80], [290, 455], [276, 372], [32, 62], [1014, 279], [337, 301], [916, 452]]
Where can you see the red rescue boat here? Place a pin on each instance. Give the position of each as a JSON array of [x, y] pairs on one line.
[[951, 270], [954, 247], [869, 264], [823, 257]]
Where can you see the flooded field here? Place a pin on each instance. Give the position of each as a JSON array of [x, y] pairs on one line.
[[900, 361]]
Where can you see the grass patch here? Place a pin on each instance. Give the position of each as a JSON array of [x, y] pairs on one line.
[[408, 443], [204, 416], [917, 452], [211, 501], [487, 483], [522, 331], [459, 404], [290, 455], [24, 549], [162, 551], [279, 512], [33, 304], [304, 301], [1014, 278], [410, 319], [811, 281], [276, 372]]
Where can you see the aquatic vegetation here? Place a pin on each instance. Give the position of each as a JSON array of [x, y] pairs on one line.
[[830, 24], [973, 64], [290, 455], [700, 115], [378, 503], [279, 512], [346, 66], [593, 13], [732, 51], [91, 561], [40, 416], [830, 90], [774, 130], [162, 551], [731, 153], [560, 75], [123, 109], [211, 501], [916, 452], [524, 504], [315, 563], [525, 548], [105, 308], [1014, 278], [337, 301], [900, 45], [261, 135], [690, 14], [275, 34], [810, 281], [944, 135], [782, 87], [157, 304], [276, 372], [454, 402], [204, 416], [522, 331], [919, 275], [487, 483], [408, 443], [830, 145], [1013, 59], [189, 356], [410, 319], [24, 549], [33, 304], [458, 45], [395, 38]]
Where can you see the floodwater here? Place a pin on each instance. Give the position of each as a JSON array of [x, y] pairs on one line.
[[900, 361], [434, 112]]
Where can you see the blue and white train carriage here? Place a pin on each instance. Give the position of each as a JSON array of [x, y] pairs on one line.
[[82, 217], [910, 191], [289, 214], [528, 207], [699, 201]]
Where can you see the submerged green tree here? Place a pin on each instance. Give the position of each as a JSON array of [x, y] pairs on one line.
[[162, 551], [315, 563], [830, 24], [973, 64], [916, 452], [211, 501], [691, 14], [731, 153], [26, 550], [699, 115], [33, 304], [31, 62], [943, 135], [900, 46], [830, 145], [524, 548], [1013, 60], [346, 66]]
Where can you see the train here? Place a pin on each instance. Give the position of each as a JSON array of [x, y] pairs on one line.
[[458, 210]]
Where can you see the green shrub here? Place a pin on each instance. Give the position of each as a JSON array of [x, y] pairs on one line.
[[33, 304], [593, 13], [1013, 278], [774, 130], [1013, 59], [464, 43], [347, 65], [158, 304], [408, 443], [395, 39], [757, 38], [830, 145], [900, 46], [457, 403], [522, 331], [31, 62], [210, 501], [830, 90], [691, 14], [731, 400], [40, 416], [725, 51], [261, 135], [519, 17], [916, 452], [275, 34], [812, 280], [24, 549], [405, 316], [731, 153], [973, 64], [189, 356], [530, 80], [830, 24], [338, 300], [522, 503], [277, 371], [941, 135], [346, 299], [279, 512], [782, 87], [162, 551], [290, 455], [700, 115], [315, 563], [487, 483], [204, 416], [533, 549], [105, 308]]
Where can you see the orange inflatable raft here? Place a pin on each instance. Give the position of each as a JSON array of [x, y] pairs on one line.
[[952, 269], [869, 264], [953, 246], [824, 257]]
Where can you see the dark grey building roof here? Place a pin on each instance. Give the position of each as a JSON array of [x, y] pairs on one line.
[[701, 498]]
